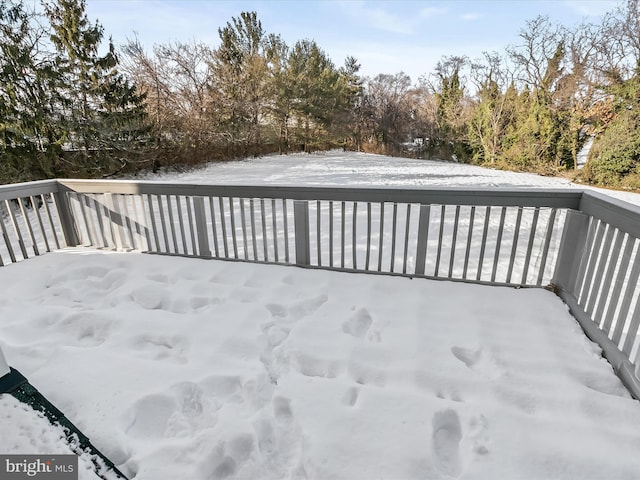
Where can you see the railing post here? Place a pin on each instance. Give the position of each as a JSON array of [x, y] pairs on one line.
[[301, 220], [201, 227], [572, 248], [423, 236], [66, 217]]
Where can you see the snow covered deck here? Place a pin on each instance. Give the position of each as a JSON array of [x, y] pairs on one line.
[[184, 368]]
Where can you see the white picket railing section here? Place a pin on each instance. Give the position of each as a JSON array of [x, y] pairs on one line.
[[581, 244]]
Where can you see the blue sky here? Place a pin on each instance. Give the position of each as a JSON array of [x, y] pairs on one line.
[[385, 36]]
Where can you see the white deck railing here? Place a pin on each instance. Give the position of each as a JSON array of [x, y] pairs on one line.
[[582, 244]]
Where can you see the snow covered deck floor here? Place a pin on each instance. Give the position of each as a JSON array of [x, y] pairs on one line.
[[187, 369]]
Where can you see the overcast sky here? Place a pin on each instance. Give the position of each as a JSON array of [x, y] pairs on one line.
[[385, 36]]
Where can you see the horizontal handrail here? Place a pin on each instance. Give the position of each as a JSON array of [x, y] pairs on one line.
[[525, 197]]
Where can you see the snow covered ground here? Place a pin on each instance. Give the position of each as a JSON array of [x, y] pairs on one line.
[[361, 169], [190, 369]]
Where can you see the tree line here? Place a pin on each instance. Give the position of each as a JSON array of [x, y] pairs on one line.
[[66, 109]]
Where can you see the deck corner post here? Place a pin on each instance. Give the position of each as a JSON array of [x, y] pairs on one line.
[[571, 251], [201, 227], [67, 223], [423, 236], [301, 220]]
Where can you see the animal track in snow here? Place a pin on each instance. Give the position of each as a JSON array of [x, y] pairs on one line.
[[447, 433], [480, 361], [358, 325]]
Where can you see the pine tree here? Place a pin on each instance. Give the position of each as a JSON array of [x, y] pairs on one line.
[[30, 139], [100, 111]]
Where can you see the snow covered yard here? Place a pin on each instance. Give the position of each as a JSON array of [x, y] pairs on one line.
[[185, 368], [182, 368]]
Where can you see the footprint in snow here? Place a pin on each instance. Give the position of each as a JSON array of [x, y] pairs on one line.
[[480, 361], [359, 323], [446, 436]]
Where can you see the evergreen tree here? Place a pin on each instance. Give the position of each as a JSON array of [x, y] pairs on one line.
[[98, 108], [30, 138]]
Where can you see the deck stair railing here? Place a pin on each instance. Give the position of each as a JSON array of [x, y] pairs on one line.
[[581, 244]]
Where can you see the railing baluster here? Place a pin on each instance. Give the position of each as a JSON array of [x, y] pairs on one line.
[[263, 223], [172, 224], [532, 237], [604, 256], [16, 229], [254, 240], [36, 210], [440, 240], [183, 236], [546, 245], [607, 319], [128, 221], [487, 215], [331, 234], [286, 230], [223, 223], [234, 233], [514, 245], [578, 282], [354, 230], [243, 221], [154, 227], [5, 233], [593, 256], [393, 237], [467, 252], [632, 285], [275, 229], [406, 239], [214, 228], [51, 223], [454, 241], [144, 226], [366, 263], [614, 256], [380, 240], [318, 228], [496, 256], [192, 232], [139, 227], [342, 239], [34, 243]]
